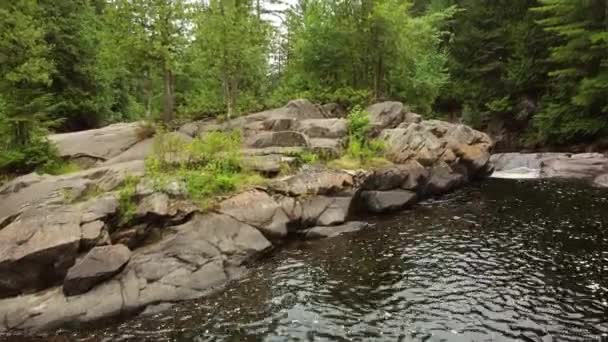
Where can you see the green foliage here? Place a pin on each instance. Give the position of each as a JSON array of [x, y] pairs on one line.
[[361, 151], [381, 48], [576, 107], [127, 206], [209, 166]]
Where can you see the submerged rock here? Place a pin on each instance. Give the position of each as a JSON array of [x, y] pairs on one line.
[[387, 201], [328, 232]]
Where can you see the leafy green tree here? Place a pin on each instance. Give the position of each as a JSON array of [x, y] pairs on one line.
[[376, 46], [228, 60]]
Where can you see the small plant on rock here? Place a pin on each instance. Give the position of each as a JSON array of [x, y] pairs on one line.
[[208, 166], [361, 151]]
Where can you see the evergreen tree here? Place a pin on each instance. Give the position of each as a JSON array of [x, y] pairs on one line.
[[576, 107], [25, 72]]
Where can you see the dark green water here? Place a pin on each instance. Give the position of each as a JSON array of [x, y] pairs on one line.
[[504, 260]]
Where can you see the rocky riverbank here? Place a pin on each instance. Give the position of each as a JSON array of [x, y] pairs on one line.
[[591, 167], [64, 259]]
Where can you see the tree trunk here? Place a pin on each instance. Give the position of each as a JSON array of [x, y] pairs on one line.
[[378, 76], [168, 100]]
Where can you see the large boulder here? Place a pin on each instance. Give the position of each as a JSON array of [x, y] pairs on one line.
[[258, 209], [433, 142], [327, 148], [324, 128], [387, 201], [35, 191], [278, 139], [99, 144], [100, 264], [408, 176], [38, 247], [442, 180], [387, 114], [325, 211], [202, 255]]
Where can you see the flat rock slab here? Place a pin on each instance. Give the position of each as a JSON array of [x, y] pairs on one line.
[[100, 264], [319, 182], [324, 128], [387, 201], [328, 232], [278, 139], [102, 144]]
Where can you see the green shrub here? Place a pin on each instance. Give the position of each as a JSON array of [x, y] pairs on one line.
[[39, 155], [361, 151], [208, 166], [126, 200]]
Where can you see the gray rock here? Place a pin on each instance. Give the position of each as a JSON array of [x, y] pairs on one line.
[[601, 180], [322, 182], [433, 142], [324, 128], [94, 234], [36, 251], [99, 144], [139, 151], [29, 191], [409, 176], [577, 166], [512, 161], [328, 232], [325, 211], [279, 139], [257, 209], [286, 151], [327, 148], [156, 204], [334, 110], [100, 264], [200, 257], [267, 164], [38, 247], [387, 201], [302, 109], [387, 114], [443, 179], [280, 124]]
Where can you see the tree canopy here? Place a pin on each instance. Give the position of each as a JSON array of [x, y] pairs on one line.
[[538, 66]]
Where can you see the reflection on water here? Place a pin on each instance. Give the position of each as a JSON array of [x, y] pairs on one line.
[[505, 260]]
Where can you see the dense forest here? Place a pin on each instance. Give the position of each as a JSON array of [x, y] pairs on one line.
[[538, 68]]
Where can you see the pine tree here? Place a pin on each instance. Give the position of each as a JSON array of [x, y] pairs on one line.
[[25, 72], [576, 108]]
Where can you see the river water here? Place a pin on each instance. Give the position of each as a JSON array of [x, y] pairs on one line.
[[498, 261]]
